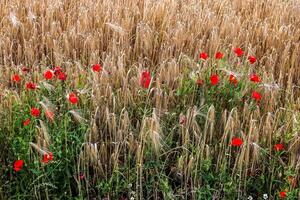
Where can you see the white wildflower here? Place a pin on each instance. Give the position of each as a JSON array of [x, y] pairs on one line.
[[265, 196], [193, 76]]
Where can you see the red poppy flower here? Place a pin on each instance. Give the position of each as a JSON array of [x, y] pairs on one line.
[[35, 112], [30, 86], [182, 119], [278, 147], [62, 76], [200, 82], [73, 99], [232, 79], [18, 165], [254, 78], [47, 157], [50, 115], [203, 55], [96, 68], [48, 75], [236, 142], [238, 52], [16, 78], [219, 55], [256, 95], [214, 79], [57, 70], [25, 69], [252, 59], [282, 194], [26, 122], [145, 79], [81, 176]]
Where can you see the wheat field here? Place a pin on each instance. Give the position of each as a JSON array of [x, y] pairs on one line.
[[149, 99]]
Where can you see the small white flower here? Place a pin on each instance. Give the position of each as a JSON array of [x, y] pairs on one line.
[[265, 196], [193, 75], [250, 198]]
